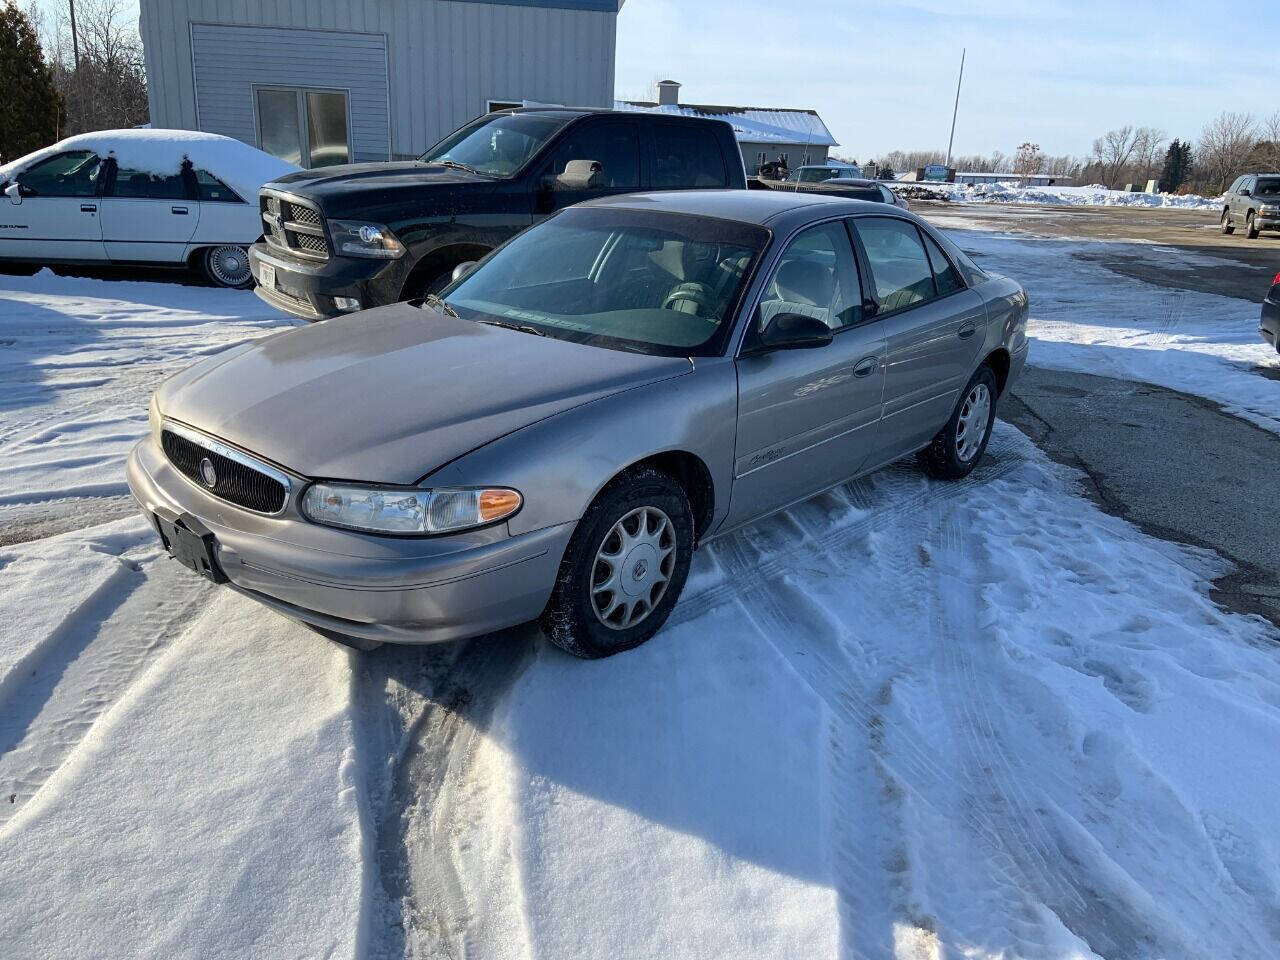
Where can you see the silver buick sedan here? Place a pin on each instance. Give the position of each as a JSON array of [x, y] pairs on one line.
[[554, 436]]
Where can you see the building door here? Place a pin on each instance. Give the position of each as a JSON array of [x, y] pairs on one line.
[[307, 127]]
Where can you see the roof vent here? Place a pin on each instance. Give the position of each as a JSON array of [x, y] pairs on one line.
[[668, 93]]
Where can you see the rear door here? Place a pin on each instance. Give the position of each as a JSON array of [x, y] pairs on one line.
[[613, 143], [932, 324], [807, 418], [58, 216], [148, 215]]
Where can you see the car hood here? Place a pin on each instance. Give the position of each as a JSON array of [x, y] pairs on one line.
[[389, 395]]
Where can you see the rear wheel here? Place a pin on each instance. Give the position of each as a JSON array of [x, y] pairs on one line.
[[1227, 226], [624, 568], [958, 447], [228, 266], [1250, 227]]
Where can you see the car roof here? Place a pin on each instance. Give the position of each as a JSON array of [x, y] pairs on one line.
[[853, 181], [746, 206]]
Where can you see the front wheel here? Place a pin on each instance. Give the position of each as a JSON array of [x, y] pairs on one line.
[[228, 266], [624, 568], [1226, 224], [958, 447], [1251, 227]]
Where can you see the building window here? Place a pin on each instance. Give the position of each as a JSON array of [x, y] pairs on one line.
[[493, 106], [306, 127]]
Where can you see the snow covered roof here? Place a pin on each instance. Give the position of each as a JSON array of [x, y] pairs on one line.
[[750, 124], [240, 166]]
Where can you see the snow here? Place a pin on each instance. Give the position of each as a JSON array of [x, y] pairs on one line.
[[902, 719], [1092, 196], [750, 124], [234, 162]]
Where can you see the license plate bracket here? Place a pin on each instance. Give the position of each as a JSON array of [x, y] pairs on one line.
[[190, 543], [267, 276]]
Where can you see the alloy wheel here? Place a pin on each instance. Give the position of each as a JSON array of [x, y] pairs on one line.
[[633, 567]]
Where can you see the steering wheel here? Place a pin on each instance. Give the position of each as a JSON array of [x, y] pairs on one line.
[[695, 293]]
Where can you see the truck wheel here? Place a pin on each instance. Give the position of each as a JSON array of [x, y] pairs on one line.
[[1226, 222], [958, 447], [624, 568], [1250, 228], [228, 266], [418, 288]]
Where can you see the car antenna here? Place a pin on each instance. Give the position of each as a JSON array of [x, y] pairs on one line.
[[804, 156]]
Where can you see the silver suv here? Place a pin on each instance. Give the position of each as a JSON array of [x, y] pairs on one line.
[[1254, 201]]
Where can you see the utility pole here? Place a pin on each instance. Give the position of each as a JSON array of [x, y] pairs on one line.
[[956, 108], [75, 38]]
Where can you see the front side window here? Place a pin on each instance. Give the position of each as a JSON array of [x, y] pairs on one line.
[[71, 174], [816, 276], [900, 270], [498, 145], [615, 146], [143, 185], [665, 284], [685, 157]]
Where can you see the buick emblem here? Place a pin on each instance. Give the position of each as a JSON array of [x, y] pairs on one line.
[[640, 569], [208, 474]]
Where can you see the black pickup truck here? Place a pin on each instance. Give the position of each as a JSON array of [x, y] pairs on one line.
[[339, 239]]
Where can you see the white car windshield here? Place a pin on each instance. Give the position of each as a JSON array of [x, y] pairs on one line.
[[632, 280]]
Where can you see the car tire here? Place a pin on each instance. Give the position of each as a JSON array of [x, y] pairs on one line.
[[956, 450], [1227, 226], [417, 289], [1250, 227], [15, 269], [227, 265], [584, 616]]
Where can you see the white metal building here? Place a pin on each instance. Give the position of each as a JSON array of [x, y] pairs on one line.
[[327, 81]]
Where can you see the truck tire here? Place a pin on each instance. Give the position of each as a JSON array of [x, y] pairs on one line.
[[1250, 227], [1227, 226]]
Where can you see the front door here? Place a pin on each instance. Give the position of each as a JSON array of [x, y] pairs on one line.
[[58, 216], [807, 418], [933, 327], [148, 216]]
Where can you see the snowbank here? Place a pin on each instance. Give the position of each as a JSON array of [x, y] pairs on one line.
[[1090, 196], [235, 163]]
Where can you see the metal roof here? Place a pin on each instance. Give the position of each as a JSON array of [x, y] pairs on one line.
[[750, 124]]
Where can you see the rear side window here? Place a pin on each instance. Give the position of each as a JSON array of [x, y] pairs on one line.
[[141, 185], [71, 174], [684, 157], [901, 273], [944, 274], [210, 189]]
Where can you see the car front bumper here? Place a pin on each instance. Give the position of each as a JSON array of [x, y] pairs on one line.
[[1270, 325], [307, 289], [1267, 221], [390, 589]]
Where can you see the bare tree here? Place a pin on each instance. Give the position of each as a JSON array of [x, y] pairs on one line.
[[1224, 148], [1148, 152], [108, 88], [1268, 149], [1113, 151], [1027, 161]]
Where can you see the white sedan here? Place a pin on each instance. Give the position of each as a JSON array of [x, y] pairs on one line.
[[158, 197]]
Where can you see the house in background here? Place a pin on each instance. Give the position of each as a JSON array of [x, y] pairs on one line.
[[764, 134], [319, 82]]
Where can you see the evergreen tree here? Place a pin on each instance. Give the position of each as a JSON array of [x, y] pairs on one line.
[[886, 173], [30, 106], [1177, 166]]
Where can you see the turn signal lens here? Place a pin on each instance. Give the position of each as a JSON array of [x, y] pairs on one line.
[[400, 510]]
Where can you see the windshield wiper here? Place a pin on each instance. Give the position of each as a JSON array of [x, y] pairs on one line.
[[454, 164], [441, 305], [522, 327]]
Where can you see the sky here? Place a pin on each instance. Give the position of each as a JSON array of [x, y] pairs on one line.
[[882, 75]]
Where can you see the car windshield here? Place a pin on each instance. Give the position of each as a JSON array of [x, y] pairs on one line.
[[497, 145], [1268, 188], [658, 283]]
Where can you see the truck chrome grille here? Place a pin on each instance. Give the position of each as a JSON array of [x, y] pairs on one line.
[[291, 225], [234, 477]]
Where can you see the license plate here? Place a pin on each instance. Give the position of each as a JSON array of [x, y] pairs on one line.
[[267, 276], [191, 549]]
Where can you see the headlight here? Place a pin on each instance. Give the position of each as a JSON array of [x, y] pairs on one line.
[[357, 238], [153, 419], [407, 510]]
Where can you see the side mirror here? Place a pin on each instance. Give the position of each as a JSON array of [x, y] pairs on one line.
[[1246, 192], [462, 269], [14, 192], [794, 331], [580, 175]]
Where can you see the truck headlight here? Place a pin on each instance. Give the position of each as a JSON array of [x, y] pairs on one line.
[[358, 238], [153, 420], [407, 510]]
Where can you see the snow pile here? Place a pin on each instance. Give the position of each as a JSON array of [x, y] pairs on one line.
[[1090, 196], [242, 167]]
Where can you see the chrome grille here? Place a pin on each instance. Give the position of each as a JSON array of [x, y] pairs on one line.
[[293, 226], [235, 480]]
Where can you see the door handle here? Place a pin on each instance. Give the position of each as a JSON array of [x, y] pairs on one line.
[[866, 367], [88, 208], [181, 210], [967, 329]]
